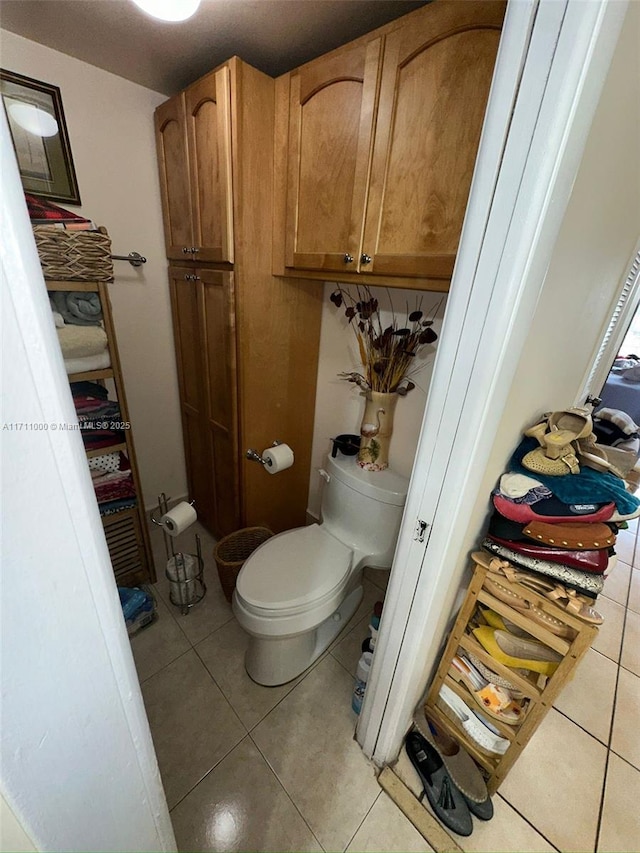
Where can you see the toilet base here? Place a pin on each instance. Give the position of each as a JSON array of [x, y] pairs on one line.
[[271, 661]]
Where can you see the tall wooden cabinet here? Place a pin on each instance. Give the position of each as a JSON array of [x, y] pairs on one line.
[[381, 143], [246, 342]]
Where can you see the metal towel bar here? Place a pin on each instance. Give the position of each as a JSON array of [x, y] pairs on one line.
[[135, 259]]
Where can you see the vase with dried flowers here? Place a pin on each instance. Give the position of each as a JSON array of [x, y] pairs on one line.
[[389, 354]]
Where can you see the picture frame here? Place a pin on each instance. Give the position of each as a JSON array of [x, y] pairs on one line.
[[39, 135]]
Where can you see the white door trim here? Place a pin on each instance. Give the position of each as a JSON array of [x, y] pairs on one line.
[[552, 63]]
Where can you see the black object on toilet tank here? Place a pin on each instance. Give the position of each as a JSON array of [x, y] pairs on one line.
[[348, 445]]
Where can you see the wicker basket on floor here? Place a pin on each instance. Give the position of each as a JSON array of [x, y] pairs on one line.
[[233, 550]]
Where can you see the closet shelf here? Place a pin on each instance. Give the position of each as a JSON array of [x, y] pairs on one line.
[[110, 448], [91, 375]]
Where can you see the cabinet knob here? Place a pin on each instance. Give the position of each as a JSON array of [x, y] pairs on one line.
[[365, 259], [185, 250], [348, 259], [191, 277], [195, 250]]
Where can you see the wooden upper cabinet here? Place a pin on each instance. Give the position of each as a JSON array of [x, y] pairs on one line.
[[193, 136], [173, 164], [433, 96], [382, 143], [331, 114]]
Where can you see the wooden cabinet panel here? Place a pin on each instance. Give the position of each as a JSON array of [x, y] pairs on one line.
[[173, 165], [186, 298], [434, 88], [207, 111], [218, 322], [330, 126], [193, 138]]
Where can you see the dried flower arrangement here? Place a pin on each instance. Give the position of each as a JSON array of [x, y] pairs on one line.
[[388, 353]]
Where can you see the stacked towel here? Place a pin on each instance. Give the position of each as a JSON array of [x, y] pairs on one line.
[[79, 308]]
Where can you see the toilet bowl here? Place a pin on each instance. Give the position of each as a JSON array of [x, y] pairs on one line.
[[299, 589]]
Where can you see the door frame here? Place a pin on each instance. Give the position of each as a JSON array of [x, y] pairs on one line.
[[551, 66]]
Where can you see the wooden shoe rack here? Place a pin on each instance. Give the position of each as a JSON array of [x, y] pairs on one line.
[[541, 691]]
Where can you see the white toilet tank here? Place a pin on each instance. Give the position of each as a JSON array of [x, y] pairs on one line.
[[363, 509]]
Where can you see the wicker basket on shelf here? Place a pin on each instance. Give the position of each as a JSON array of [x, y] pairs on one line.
[[233, 550], [74, 255]]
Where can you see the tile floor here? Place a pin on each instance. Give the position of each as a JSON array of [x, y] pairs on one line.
[[252, 768]]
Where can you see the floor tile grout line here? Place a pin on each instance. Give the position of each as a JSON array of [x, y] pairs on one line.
[[536, 829], [282, 785], [626, 760], [223, 694], [611, 728], [164, 666], [210, 770], [377, 797], [604, 743]]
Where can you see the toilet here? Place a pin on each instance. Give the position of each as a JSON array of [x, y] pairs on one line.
[[299, 589]]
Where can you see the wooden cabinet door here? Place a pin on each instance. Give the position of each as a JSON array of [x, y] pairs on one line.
[[171, 143], [186, 306], [217, 309], [433, 93], [331, 114], [208, 120]]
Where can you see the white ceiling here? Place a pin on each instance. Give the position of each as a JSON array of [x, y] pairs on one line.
[[273, 35]]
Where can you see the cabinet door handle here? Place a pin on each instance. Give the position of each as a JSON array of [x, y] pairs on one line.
[[185, 250], [365, 259], [348, 259], [195, 250], [191, 277]]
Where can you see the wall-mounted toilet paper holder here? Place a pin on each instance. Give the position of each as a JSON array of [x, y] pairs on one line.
[[254, 456]]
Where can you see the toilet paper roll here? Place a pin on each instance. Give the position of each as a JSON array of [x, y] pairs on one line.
[[278, 458], [179, 518]]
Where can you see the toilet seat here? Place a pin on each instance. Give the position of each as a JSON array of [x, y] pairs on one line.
[[294, 572]]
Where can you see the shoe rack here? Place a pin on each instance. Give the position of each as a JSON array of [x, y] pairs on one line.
[[540, 691]]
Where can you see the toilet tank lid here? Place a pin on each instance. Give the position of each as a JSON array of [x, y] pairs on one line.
[[385, 486]]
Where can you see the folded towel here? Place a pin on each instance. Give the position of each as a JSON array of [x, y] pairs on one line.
[[82, 341], [91, 362], [78, 307]]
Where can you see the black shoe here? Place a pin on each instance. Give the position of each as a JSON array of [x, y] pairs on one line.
[[483, 810], [445, 799]]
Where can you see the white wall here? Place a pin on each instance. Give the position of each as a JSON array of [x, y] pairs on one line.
[[110, 124], [595, 243], [78, 769], [339, 404]]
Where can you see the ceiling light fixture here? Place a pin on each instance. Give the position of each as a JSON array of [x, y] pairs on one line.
[[169, 10], [33, 119]]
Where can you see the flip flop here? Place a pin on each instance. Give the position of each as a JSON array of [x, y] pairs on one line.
[[536, 614], [448, 804]]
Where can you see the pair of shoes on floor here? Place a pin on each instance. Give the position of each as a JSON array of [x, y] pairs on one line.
[[449, 804]]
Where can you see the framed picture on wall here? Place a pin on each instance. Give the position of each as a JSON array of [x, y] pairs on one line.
[[39, 135]]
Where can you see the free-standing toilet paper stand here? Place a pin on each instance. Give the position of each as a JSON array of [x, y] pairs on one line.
[[185, 572]]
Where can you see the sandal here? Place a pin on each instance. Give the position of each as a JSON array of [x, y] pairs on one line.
[[494, 678], [593, 456], [567, 599], [565, 427], [538, 462], [494, 701], [536, 614]]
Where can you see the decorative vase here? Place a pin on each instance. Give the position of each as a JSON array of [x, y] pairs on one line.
[[376, 430]]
